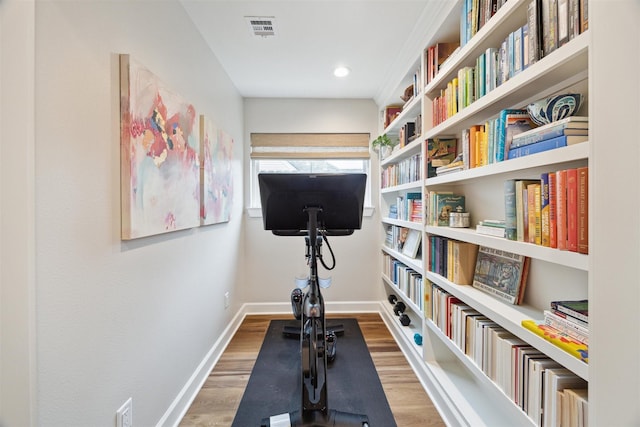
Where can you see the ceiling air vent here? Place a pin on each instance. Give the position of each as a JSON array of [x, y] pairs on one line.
[[261, 26]]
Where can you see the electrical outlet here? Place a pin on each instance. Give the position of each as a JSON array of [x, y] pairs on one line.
[[124, 415], [226, 299]]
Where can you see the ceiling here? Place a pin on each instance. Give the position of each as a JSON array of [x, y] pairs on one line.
[[376, 39]]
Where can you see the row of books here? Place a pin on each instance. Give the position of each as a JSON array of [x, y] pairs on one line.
[[439, 204], [552, 211], [559, 21], [452, 259], [403, 172], [549, 25], [408, 207], [407, 280], [409, 131], [501, 274], [435, 56], [475, 14], [513, 134], [541, 387]]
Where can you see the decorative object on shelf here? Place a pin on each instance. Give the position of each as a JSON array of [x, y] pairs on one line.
[[554, 108], [417, 338], [459, 219], [399, 308], [383, 145], [411, 245], [405, 320], [501, 274], [390, 113], [408, 94]]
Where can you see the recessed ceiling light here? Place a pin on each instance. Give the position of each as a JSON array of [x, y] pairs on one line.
[[341, 71]]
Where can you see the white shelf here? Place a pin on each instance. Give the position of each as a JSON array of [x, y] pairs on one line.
[[407, 224], [405, 152], [414, 263], [408, 332], [402, 187], [405, 298], [561, 68], [558, 156], [489, 389], [409, 112], [510, 318], [543, 253]]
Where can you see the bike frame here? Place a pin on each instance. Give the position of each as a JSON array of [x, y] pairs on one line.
[[313, 329]]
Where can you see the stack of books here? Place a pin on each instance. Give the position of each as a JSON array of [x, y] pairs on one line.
[[568, 131], [565, 324]]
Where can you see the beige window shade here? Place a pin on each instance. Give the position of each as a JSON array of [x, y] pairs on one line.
[[310, 145]]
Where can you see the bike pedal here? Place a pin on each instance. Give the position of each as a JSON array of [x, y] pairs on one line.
[[296, 303], [331, 341]]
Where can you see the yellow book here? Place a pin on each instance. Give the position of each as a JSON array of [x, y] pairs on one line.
[[538, 213], [558, 338]]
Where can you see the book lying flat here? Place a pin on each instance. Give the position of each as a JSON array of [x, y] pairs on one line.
[[572, 125], [546, 145]]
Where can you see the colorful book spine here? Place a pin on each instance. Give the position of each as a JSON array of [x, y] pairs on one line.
[[544, 209], [538, 147], [562, 340], [572, 210], [510, 220], [553, 231], [578, 309], [561, 208], [583, 210]]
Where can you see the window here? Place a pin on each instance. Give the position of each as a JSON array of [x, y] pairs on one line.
[[308, 153]]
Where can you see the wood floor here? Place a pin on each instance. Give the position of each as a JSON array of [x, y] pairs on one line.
[[217, 402]]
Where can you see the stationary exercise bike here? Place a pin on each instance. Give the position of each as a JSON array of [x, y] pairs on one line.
[[313, 206]]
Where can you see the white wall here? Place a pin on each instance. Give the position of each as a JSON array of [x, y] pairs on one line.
[[17, 201], [120, 319], [276, 260]]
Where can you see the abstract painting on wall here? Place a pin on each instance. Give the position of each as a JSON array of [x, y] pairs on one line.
[[216, 195], [159, 137]]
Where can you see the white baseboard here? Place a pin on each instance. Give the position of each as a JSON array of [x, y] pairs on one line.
[[185, 397]]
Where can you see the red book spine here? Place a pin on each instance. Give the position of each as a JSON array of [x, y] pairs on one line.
[[572, 210], [583, 210], [561, 209], [553, 218]]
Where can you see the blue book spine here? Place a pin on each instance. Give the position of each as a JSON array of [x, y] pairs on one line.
[[502, 133], [510, 223], [538, 147]]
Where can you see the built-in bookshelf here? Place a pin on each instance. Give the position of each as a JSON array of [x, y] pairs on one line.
[[459, 387]]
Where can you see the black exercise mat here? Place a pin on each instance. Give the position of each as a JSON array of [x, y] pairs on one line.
[[352, 381]]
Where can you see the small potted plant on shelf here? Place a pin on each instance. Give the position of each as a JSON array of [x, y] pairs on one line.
[[383, 145]]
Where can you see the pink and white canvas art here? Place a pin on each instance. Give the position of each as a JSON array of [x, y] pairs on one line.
[[217, 180], [160, 179]]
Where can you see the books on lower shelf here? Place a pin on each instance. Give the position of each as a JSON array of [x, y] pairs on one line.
[[577, 309], [501, 274], [532, 380], [406, 279], [560, 339]]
